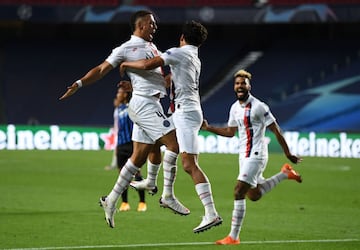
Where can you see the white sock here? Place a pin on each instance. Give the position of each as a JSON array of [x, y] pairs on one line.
[[170, 169], [205, 195], [238, 215], [152, 173], [125, 176], [271, 182], [113, 161]]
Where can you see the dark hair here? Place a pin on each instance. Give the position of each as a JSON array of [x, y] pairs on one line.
[[136, 16], [194, 33], [129, 95]]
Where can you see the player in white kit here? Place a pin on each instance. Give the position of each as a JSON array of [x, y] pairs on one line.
[[151, 127], [185, 68], [251, 118]]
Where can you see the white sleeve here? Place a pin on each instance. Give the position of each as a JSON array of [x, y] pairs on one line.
[[267, 115], [171, 56], [232, 119], [116, 56]]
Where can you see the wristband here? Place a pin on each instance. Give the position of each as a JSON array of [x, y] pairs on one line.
[[79, 83]]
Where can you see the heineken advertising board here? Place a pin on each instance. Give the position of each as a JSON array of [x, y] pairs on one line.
[[55, 137]]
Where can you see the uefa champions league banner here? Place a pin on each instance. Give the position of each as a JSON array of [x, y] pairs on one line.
[[55, 137]]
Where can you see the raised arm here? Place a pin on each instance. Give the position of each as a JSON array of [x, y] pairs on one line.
[[91, 77], [145, 64], [274, 127], [224, 131]]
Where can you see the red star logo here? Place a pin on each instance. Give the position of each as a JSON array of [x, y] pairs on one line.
[[109, 139]]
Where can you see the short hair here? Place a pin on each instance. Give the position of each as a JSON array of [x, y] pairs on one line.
[[242, 73], [194, 33], [136, 16]]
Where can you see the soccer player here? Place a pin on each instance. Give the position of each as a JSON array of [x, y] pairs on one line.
[[251, 118], [151, 126], [185, 67], [117, 101], [124, 145]]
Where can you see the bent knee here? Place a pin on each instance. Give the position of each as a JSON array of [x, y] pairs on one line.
[[254, 194]]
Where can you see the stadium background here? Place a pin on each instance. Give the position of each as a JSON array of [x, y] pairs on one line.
[[304, 56], [308, 67]]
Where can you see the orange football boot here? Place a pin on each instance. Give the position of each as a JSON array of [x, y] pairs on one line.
[[291, 173], [142, 207], [228, 241], [124, 207]]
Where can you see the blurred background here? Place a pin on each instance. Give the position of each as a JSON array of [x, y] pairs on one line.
[[304, 57]]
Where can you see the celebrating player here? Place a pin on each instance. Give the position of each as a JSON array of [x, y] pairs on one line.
[[251, 117], [185, 66], [151, 126]]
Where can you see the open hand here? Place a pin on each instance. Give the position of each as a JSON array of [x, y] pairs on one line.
[[70, 91]]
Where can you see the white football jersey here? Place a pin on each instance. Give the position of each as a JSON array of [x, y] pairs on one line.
[[251, 118], [144, 82], [185, 68]]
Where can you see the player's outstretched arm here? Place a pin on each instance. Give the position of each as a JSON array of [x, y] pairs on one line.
[[92, 76], [223, 131], [70, 90], [145, 64]]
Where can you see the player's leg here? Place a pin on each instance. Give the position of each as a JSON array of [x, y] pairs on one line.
[[203, 190], [187, 125], [238, 214], [168, 198], [169, 163], [123, 153], [142, 204], [160, 128], [247, 178], [148, 115], [133, 164], [266, 185], [153, 167]]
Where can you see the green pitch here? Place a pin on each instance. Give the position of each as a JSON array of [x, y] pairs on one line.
[[49, 200]]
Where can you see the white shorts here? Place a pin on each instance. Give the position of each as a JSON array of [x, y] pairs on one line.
[[187, 126], [150, 122], [251, 170]]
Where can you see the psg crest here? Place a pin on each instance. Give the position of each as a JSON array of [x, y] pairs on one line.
[[166, 123]]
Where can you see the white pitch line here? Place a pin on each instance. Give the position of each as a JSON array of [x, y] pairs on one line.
[[186, 244]]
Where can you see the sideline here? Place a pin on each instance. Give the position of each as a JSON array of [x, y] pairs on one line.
[[184, 244]]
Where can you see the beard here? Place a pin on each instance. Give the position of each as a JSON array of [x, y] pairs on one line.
[[243, 97]]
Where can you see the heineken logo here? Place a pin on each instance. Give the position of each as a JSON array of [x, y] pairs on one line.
[[54, 137], [50, 138]]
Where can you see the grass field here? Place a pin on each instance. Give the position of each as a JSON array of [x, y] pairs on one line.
[[49, 200]]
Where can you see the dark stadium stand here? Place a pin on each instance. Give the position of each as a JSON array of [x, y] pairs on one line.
[[40, 62], [38, 72], [287, 70]]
